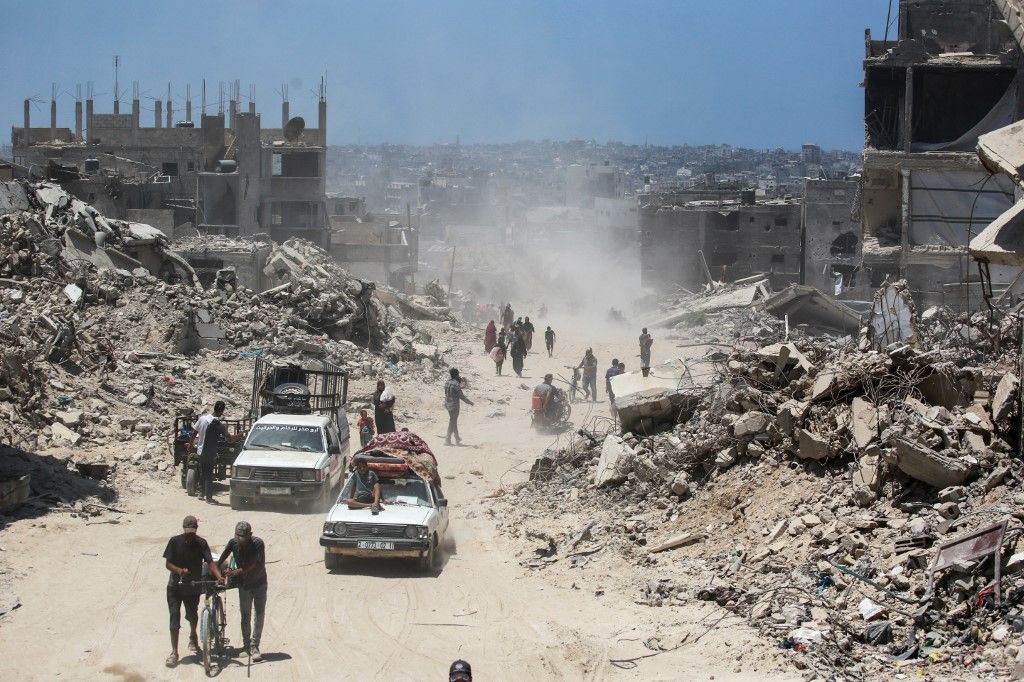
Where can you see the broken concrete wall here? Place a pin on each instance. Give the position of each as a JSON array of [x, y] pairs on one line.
[[832, 238]]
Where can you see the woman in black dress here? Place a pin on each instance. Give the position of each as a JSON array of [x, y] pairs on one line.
[[383, 409]]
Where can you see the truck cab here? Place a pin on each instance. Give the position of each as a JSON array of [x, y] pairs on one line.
[[297, 450], [290, 457]]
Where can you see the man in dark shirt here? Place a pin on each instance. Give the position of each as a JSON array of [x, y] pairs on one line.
[[549, 340], [366, 487], [209, 432], [251, 577], [184, 557]]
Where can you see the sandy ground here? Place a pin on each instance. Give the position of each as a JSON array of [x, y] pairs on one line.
[[93, 602]]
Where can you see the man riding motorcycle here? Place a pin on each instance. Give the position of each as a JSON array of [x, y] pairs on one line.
[[548, 401]]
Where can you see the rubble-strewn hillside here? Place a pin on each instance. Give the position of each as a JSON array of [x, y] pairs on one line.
[[815, 491]]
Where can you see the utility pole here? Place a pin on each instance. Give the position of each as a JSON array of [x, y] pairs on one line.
[[451, 273]]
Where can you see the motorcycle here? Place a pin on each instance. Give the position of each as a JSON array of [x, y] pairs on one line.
[[555, 417]]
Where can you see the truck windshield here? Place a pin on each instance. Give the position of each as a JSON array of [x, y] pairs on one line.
[[291, 437]]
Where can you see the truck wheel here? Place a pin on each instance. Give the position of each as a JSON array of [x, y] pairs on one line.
[[428, 560], [332, 561], [191, 482], [236, 502]]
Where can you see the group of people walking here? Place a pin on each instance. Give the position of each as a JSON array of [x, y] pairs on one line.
[[515, 339]]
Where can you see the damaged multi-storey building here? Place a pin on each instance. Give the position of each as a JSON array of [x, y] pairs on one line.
[[224, 174], [228, 175], [691, 236], [952, 74]]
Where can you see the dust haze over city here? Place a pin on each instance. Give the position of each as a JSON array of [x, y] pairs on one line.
[[596, 341]]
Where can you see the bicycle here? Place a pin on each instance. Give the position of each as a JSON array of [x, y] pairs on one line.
[[213, 624]]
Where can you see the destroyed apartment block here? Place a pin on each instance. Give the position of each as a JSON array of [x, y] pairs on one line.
[[221, 174], [952, 74]]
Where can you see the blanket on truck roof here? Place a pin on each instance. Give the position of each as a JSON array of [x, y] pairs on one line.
[[408, 447]]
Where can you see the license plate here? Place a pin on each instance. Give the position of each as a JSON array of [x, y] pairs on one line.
[[375, 544], [275, 490]]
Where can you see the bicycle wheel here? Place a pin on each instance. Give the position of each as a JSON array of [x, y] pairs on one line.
[[207, 627], [221, 630]]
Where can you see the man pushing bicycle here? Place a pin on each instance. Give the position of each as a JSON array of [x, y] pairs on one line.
[[251, 574], [184, 557]]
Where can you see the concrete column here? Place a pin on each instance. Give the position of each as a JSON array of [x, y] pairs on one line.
[[78, 120], [908, 109], [88, 119], [135, 114], [252, 107], [117, 106], [188, 110], [170, 114], [905, 213], [158, 114], [322, 121], [232, 114], [28, 123], [284, 113], [53, 119]]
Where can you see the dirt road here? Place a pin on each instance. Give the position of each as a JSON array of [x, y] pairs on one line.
[[93, 595]]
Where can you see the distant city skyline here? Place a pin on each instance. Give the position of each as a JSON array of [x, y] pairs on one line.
[[667, 73]]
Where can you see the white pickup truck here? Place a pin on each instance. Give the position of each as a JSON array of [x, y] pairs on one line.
[[412, 523], [290, 457]]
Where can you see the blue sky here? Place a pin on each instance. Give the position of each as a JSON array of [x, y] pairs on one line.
[[745, 72]]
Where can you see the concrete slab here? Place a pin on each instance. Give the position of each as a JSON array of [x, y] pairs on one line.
[[921, 462], [660, 395]]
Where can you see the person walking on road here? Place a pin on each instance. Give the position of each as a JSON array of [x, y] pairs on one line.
[[453, 399], [490, 336], [498, 353], [384, 408], [507, 316], [208, 432], [528, 330], [589, 366], [251, 573], [549, 340], [645, 348], [184, 558], [517, 349], [612, 371]]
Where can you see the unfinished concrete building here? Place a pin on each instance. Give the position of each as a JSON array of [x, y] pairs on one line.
[[952, 73], [686, 240], [228, 176]]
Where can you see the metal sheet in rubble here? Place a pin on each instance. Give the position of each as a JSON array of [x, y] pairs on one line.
[[971, 546]]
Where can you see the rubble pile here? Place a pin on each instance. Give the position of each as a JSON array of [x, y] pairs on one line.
[[820, 490], [96, 349]]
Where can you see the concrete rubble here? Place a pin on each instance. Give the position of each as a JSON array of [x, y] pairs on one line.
[[808, 486], [102, 324]]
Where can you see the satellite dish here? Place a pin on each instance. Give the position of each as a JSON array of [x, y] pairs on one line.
[[293, 129]]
